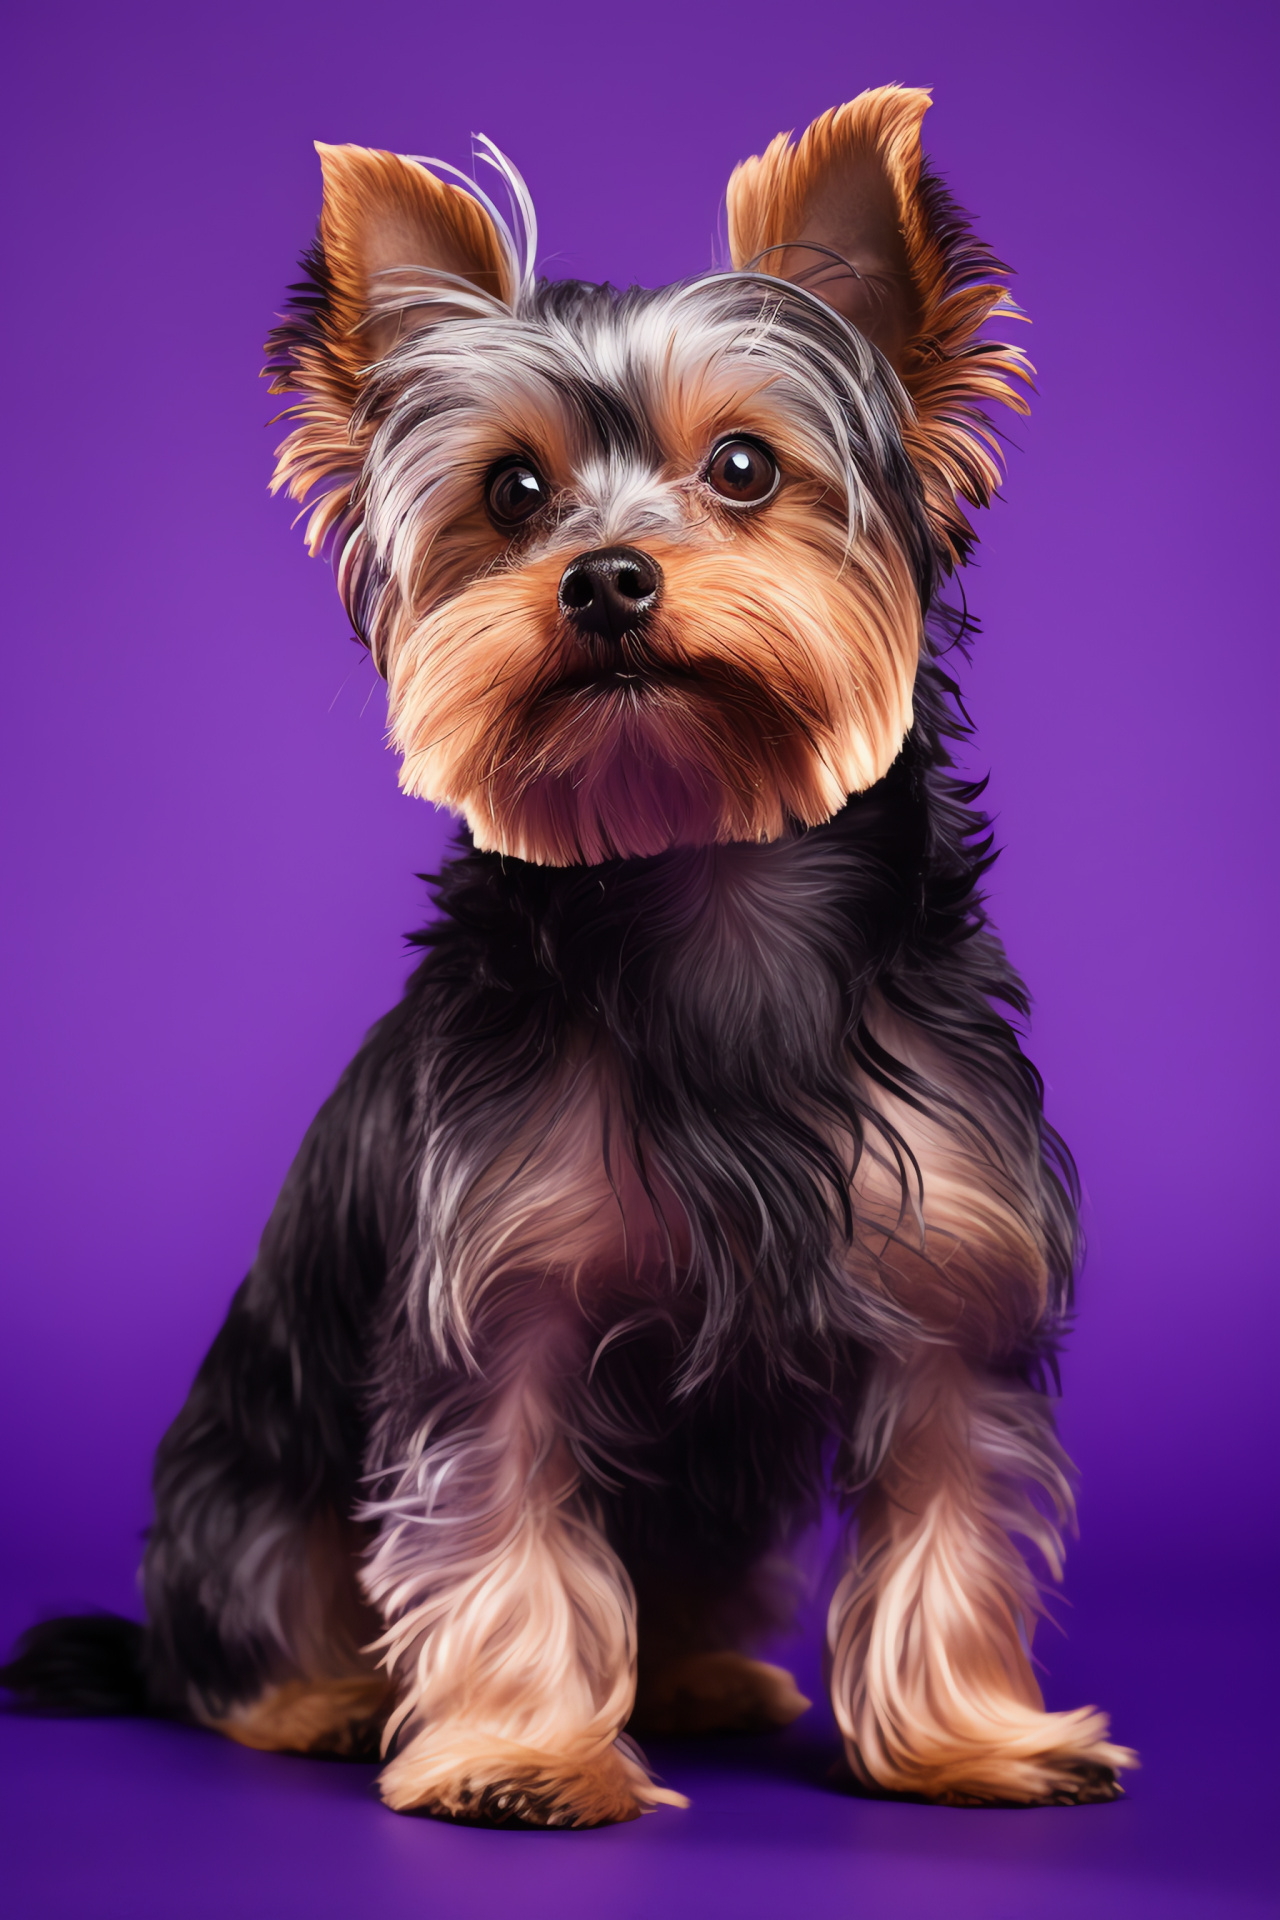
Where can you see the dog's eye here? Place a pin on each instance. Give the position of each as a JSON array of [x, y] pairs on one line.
[[514, 493], [743, 472]]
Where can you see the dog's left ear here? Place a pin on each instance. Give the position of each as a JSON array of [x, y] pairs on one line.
[[852, 213]]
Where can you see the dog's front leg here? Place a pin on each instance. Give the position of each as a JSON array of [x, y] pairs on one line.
[[930, 1630], [510, 1621]]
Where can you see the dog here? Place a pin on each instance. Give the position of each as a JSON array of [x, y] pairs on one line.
[[697, 1177]]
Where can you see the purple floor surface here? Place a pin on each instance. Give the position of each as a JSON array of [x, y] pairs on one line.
[[107, 1819]]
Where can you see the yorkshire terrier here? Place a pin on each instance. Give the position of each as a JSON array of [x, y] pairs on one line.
[[696, 1176]]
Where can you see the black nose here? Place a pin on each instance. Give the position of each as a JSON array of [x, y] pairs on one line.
[[611, 591]]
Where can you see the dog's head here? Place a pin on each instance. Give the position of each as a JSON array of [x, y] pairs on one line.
[[651, 568]]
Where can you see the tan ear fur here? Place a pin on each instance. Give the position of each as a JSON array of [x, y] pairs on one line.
[[855, 185], [381, 213]]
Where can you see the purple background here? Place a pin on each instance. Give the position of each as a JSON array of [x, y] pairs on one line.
[[209, 869]]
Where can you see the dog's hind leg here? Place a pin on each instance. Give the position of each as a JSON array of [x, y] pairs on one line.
[[255, 1617], [696, 1674], [291, 1597], [711, 1593], [256, 1620]]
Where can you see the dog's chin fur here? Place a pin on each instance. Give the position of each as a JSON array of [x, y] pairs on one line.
[[628, 791], [626, 797]]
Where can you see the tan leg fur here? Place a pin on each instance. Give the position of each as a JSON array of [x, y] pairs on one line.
[[930, 1630], [341, 1716]]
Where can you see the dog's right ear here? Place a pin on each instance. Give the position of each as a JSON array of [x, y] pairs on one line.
[[387, 224], [396, 250]]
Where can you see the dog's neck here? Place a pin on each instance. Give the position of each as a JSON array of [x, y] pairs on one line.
[[698, 918]]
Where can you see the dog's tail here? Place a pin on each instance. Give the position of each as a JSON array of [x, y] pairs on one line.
[[85, 1665]]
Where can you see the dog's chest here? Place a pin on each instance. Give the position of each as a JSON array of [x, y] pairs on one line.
[[651, 1102], [567, 1200]]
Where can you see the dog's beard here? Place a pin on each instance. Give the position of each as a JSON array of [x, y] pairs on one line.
[[636, 763], [770, 685]]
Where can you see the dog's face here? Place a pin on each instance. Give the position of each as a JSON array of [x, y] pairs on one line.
[[653, 580], [650, 569]]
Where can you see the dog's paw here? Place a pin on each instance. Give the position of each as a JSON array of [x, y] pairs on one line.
[[1084, 1784], [587, 1796], [499, 1784], [341, 1717], [718, 1693], [1000, 1776]]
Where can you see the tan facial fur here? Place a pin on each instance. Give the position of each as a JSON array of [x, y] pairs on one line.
[[774, 681]]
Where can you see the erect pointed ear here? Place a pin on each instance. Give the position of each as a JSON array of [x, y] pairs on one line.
[[396, 249], [386, 219], [387, 227], [851, 213]]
